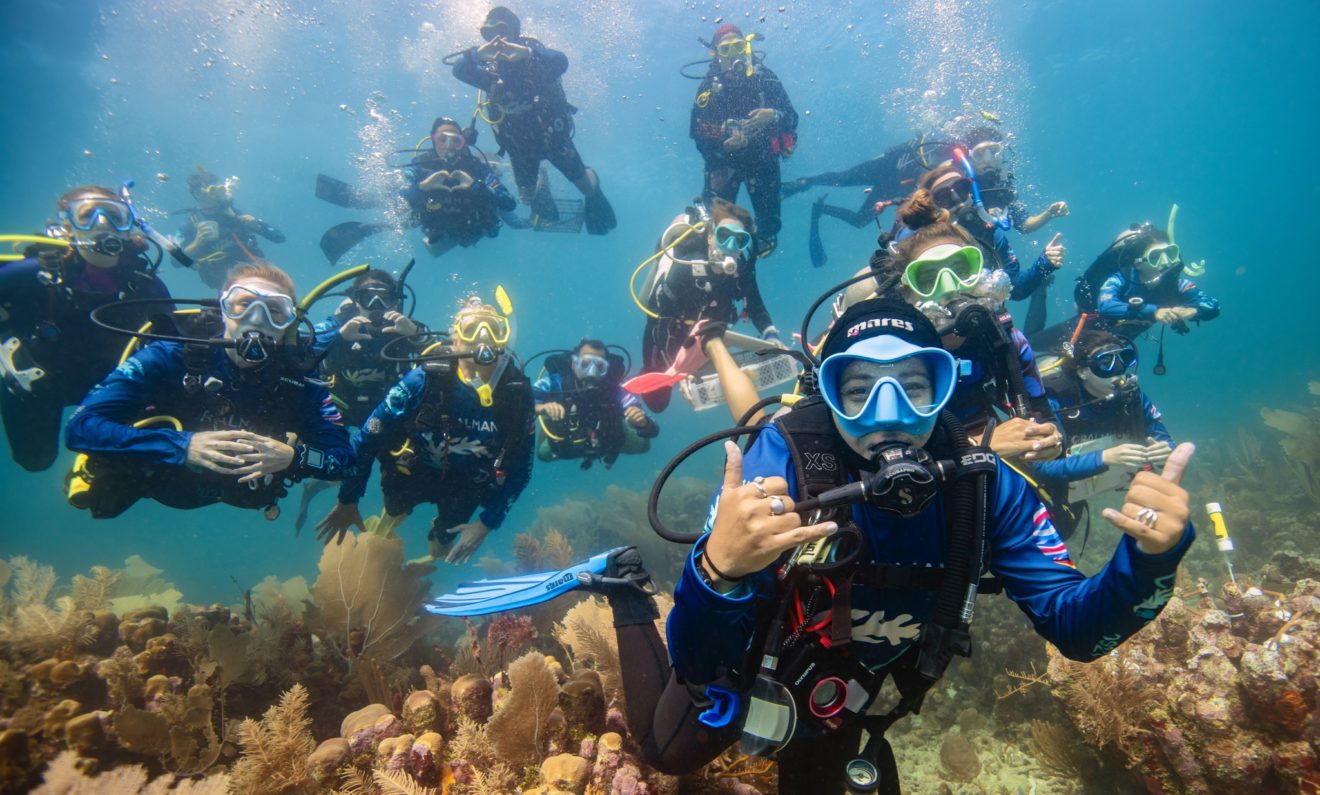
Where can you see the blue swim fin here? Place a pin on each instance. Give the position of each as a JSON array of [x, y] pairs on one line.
[[510, 593], [814, 245]]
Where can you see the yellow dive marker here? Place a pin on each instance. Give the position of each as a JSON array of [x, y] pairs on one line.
[[1216, 512]]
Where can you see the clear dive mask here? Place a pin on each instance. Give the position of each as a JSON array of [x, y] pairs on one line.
[[254, 307], [84, 214], [988, 156], [886, 405], [448, 143], [588, 365], [1111, 362], [943, 270], [732, 238]]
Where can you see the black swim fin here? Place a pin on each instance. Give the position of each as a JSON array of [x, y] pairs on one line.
[[342, 194], [597, 213], [337, 240], [814, 245]]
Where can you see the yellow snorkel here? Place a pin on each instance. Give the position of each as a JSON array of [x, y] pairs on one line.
[[1189, 268]]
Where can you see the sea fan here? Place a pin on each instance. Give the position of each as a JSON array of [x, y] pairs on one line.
[[517, 729], [365, 599]]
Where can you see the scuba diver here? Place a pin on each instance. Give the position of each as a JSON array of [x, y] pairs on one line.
[[585, 414], [217, 235], [532, 118], [1111, 427], [743, 122], [352, 341], [232, 414], [454, 194], [999, 187], [939, 269], [954, 189], [792, 611], [704, 263], [50, 351], [457, 432], [1141, 282]]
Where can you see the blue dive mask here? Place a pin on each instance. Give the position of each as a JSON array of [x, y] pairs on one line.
[[885, 403]]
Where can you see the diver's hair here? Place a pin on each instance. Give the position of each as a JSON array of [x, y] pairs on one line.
[[200, 179], [722, 210], [588, 342], [263, 270], [83, 190], [1091, 341], [467, 308], [920, 210], [375, 275], [441, 121]]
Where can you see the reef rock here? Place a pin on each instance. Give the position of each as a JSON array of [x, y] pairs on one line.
[[421, 712], [958, 757], [1216, 695], [325, 761], [566, 773], [366, 729], [472, 697]]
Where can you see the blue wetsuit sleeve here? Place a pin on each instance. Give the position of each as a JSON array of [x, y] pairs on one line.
[[1085, 617], [504, 201], [323, 450], [1030, 372], [1207, 308], [650, 429], [1073, 467], [389, 415], [1018, 214], [325, 334], [104, 421], [468, 70], [1112, 300], [15, 276], [709, 631], [547, 387], [517, 469], [1155, 422], [1025, 282]]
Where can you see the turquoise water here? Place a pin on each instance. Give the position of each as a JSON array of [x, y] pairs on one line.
[[1119, 108]]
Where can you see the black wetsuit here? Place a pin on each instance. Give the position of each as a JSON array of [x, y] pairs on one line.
[[463, 215], [50, 325], [892, 175], [731, 96], [236, 242], [529, 111], [681, 300], [355, 372]]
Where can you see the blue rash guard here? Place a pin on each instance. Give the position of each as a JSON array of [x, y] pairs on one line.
[[1112, 301], [150, 383], [1086, 617], [460, 458], [1093, 421]]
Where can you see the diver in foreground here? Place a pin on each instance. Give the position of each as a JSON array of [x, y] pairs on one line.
[[791, 611], [50, 351], [232, 415], [531, 116]]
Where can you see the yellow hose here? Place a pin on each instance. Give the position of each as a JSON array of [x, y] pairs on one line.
[[18, 239], [632, 281], [329, 284], [546, 431]]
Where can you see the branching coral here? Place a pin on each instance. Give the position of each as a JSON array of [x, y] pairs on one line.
[[366, 600], [275, 750], [64, 778], [35, 626]]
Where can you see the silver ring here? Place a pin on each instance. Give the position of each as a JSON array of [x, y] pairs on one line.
[[776, 505], [1148, 517], [757, 483]]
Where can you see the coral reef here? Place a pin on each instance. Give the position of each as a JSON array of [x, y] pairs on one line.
[[1217, 695]]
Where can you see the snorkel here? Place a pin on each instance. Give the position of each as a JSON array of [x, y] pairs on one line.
[[1002, 222], [151, 234]]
